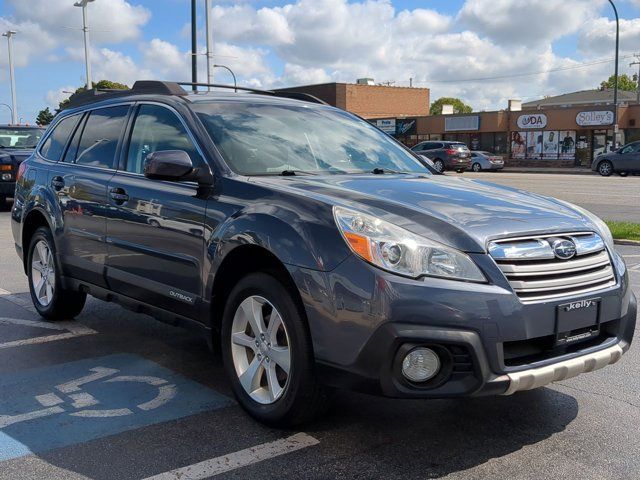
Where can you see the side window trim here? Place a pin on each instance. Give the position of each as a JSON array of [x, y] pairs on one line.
[[79, 127], [122, 165]]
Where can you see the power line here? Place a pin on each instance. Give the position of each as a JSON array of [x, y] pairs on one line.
[[526, 74]]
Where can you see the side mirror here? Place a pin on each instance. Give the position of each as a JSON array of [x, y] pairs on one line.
[[172, 165]]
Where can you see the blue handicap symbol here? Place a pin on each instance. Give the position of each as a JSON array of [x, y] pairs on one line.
[[75, 402]]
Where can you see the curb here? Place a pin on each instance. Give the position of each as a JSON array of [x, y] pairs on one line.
[[635, 243], [561, 171]]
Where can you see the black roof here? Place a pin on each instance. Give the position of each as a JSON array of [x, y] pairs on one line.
[[155, 87]]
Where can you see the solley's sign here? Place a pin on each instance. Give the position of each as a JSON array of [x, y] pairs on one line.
[[535, 120], [603, 117]]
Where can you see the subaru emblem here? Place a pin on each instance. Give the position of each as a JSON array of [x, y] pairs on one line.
[[563, 249]]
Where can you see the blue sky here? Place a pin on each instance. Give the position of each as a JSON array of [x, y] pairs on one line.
[[453, 47]]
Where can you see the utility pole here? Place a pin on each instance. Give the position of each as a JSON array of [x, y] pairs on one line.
[[194, 45], [615, 80], [207, 6], [85, 30], [637, 62], [14, 111]]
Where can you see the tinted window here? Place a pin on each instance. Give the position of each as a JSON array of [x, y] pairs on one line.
[[100, 136], [72, 150], [157, 128], [54, 144]]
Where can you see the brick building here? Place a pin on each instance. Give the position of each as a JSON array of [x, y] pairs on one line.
[[371, 101]]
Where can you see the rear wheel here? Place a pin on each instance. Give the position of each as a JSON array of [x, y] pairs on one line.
[[439, 165], [267, 353], [476, 167], [605, 168], [51, 300]]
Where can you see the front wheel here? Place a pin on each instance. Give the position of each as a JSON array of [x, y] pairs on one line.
[[267, 353], [439, 165], [476, 167], [49, 298], [605, 168]]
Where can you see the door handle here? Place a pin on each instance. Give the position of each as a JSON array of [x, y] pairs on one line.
[[57, 183], [118, 195]]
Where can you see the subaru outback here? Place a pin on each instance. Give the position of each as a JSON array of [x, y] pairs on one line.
[[313, 250]]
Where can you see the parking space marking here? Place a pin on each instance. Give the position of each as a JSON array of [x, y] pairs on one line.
[[71, 329], [16, 300], [75, 402], [242, 458]]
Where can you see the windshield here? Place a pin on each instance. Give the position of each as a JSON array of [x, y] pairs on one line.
[[19, 137], [263, 139]]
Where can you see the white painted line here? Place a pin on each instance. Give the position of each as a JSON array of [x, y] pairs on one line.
[[70, 329], [20, 302], [232, 461], [98, 374], [49, 400], [6, 420]]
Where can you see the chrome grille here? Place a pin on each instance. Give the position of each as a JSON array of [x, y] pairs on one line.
[[536, 274]]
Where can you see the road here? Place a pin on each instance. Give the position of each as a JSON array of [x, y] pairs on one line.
[[117, 395], [611, 198]]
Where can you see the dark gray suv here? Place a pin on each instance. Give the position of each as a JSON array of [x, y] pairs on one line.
[[313, 250], [445, 155]]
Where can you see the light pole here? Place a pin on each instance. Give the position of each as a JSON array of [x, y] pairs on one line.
[[194, 45], [235, 82], [14, 110], [637, 62], [210, 66], [615, 78], [85, 30], [9, 107]]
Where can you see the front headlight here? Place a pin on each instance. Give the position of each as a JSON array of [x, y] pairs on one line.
[[397, 250]]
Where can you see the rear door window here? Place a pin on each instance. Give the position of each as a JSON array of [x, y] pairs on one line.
[[54, 145], [101, 136]]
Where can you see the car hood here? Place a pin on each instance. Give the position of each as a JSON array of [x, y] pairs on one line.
[[10, 155], [462, 213]]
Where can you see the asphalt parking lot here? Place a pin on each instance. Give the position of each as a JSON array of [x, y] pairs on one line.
[[611, 198], [117, 395]]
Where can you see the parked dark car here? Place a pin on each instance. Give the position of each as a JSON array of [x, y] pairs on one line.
[[623, 161], [16, 144], [486, 161], [313, 250], [446, 155]]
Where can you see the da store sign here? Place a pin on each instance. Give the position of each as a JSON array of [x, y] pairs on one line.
[[534, 120]]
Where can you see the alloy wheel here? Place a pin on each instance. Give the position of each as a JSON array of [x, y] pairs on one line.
[[476, 167], [260, 349], [605, 169], [439, 165], [43, 273]]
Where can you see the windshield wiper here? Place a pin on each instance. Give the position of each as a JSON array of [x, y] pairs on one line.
[[382, 171], [293, 173]]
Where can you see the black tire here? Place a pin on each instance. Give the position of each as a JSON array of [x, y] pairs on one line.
[[439, 165], [476, 167], [623, 174], [65, 304], [303, 398], [605, 168]]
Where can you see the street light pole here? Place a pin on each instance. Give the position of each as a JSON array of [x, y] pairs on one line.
[[194, 45], [85, 30], [14, 111], [637, 62], [235, 82], [207, 6], [615, 79]]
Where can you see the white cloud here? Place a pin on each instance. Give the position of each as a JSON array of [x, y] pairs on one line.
[[30, 40], [54, 97], [598, 36]]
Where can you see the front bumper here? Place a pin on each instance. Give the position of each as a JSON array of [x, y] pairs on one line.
[[7, 189], [362, 321]]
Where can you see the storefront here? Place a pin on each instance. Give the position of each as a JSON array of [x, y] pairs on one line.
[[553, 137]]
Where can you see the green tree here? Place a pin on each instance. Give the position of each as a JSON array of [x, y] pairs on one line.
[[458, 105], [101, 85], [44, 117], [625, 82]]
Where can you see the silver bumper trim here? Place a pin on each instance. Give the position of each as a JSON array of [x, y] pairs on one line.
[[538, 377]]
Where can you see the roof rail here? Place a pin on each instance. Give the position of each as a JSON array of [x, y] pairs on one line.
[[158, 87]]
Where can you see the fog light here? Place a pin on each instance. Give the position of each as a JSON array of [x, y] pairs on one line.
[[420, 364], [6, 177]]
